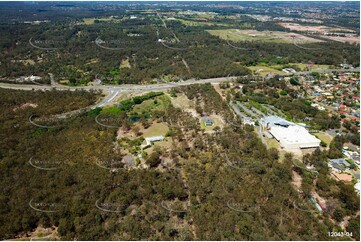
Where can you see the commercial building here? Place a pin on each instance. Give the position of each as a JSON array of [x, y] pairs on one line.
[[288, 134]]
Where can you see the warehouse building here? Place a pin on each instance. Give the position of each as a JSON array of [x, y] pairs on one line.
[[288, 134]]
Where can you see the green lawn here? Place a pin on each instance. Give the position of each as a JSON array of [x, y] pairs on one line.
[[145, 106], [148, 105], [111, 110]]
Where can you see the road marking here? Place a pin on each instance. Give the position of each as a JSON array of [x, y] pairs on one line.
[[114, 96]]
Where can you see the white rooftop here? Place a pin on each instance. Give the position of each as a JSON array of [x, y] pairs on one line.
[[149, 140], [275, 120], [290, 135], [294, 135]]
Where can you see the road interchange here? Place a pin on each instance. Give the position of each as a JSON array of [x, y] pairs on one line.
[[113, 91]]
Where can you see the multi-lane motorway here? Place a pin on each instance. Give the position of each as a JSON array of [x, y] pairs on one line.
[[113, 91]]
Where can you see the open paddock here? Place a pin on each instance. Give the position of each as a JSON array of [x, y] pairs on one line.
[[237, 35], [344, 39], [314, 28]]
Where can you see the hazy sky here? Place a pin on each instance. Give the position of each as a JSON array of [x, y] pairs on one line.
[[184, 0]]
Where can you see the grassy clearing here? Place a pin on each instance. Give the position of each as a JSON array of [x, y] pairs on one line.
[[111, 110], [125, 64], [237, 35], [272, 143], [92, 61], [199, 23], [155, 129], [204, 15], [147, 106], [90, 21], [194, 23], [25, 62], [264, 70], [324, 137], [181, 101], [302, 66]]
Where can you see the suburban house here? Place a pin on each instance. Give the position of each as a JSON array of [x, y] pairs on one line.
[[336, 167], [207, 121], [343, 177], [341, 161], [353, 155]]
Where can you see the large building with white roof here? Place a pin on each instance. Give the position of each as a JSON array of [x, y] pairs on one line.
[[288, 134]]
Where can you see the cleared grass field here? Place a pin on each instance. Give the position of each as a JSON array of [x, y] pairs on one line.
[[277, 69], [199, 23], [90, 21], [264, 70], [272, 143], [324, 137], [181, 101], [237, 35], [155, 129], [125, 64], [302, 66], [149, 105]]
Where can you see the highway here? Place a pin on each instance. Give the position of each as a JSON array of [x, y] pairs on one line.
[[108, 100], [115, 90], [121, 88]]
